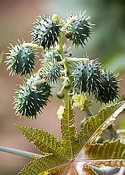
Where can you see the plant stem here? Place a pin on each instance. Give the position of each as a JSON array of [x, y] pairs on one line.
[[20, 152], [60, 46], [87, 110], [64, 61], [107, 170], [77, 59], [35, 46], [30, 45], [122, 171]]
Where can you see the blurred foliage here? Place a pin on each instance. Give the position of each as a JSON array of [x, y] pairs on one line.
[[1, 56], [108, 40]]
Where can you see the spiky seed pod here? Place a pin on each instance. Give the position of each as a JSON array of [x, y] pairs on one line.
[[30, 99], [79, 29], [93, 79], [80, 76], [51, 55], [20, 60], [51, 71], [40, 84], [45, 31], [108, 88], [87, 77]]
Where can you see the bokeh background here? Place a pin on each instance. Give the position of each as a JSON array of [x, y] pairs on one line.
[[107, 43]]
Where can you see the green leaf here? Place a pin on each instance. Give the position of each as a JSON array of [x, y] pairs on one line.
[[108, 153], [96, 124], [75, 152], [106, 150], [68, 131], [41, 165], [43, 141]]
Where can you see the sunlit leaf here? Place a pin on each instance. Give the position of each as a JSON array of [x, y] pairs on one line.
[[43, 140], [68, 131], [41, 165], [74, 153], [106, 150], [96, 124]]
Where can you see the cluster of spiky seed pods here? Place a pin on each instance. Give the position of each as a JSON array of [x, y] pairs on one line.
[[77, 75], [91, 78]]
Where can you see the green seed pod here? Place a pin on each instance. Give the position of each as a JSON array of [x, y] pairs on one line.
[[20, 60], [51, 55], [30, 99], [60, 94], [51, 71], [45, 31], [86, 77], [67, 85], [80, 76], [107, 88], [68, 34], [38, 83], [93, 79], [79, 29]]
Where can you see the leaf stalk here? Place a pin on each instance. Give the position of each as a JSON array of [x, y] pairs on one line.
[[22, 153]]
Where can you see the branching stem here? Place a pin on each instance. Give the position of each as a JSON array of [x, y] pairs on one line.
[[35, 46], [77, 59], [87, 110], [64, 60]]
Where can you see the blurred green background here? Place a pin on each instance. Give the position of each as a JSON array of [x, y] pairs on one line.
[[107, 43]]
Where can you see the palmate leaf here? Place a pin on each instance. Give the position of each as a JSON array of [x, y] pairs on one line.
[[47, 144], [59, 153], [73, 155]]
